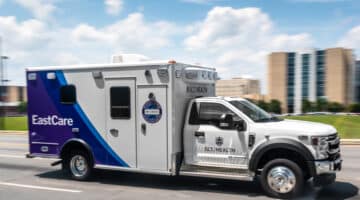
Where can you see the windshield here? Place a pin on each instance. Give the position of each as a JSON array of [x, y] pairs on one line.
[[253, 112]]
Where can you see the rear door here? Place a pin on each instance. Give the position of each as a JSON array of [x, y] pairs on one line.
[[152, 128], [121, 118]]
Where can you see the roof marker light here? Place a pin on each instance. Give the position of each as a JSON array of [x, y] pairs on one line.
[[31, 76], [51, 76], [172, 62]]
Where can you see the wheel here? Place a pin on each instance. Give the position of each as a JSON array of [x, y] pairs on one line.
[[78, 164], [282, 178]]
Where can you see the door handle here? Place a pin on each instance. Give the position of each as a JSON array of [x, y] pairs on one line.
[[143, 128], [114, 132], [199, 134]]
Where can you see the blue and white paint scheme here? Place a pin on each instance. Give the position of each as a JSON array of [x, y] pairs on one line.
[[96, 117]]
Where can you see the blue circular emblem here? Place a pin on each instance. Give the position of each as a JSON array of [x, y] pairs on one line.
[[152, 111]]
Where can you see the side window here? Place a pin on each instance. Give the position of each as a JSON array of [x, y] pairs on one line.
[[120, 102], [210, 113], [68, 94]]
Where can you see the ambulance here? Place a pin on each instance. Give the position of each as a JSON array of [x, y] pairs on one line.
[[162, 117]]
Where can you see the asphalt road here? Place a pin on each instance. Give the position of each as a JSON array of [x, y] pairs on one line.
[[22, 178]]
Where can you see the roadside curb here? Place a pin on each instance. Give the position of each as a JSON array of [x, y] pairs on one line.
[[350, 141], [10, 132]]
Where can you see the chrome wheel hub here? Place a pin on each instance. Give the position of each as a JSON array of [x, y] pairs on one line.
[[78, 165], [281, 179]]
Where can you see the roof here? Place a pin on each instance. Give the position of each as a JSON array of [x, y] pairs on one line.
[[109, 65]]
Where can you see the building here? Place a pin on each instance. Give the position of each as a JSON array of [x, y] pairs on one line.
[[357, 75], [311, 74], [238, 87], [10, 97]]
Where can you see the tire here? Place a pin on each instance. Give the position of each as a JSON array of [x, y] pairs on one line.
[[78, 165], [287, 174]]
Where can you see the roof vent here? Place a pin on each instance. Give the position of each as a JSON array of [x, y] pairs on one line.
[[128, 58]]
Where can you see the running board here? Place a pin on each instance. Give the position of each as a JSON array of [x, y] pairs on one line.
[[211, 174]]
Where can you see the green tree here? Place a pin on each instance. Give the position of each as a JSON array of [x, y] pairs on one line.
[[262, 104], [354, 108], [321, 104], [274, 106], [22, 107], [306, 106], [335, 107]]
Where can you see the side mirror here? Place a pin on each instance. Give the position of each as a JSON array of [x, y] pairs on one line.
[[240, 125], [226, 121]]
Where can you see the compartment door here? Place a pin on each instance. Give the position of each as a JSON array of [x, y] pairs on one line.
[[152, 128], [121, 118]]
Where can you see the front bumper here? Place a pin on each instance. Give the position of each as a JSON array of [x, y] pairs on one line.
[[326, 171], [327, 167]]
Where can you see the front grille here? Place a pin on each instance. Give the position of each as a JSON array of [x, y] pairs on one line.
[[332, 137], [334, 147]]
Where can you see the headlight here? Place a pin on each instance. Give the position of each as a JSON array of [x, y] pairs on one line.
[[321, 146]]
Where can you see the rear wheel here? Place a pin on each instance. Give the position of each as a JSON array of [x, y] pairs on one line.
[[79, 165], [282, 178]]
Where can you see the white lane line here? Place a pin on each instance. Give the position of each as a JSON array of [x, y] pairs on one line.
[[13, 144], [39, 187], [24, 157], [11, 156]]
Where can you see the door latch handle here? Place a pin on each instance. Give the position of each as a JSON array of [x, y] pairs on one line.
[[199, 134], [143, 128], [114, 132]]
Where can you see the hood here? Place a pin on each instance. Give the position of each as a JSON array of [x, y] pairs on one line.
[[296, 127]]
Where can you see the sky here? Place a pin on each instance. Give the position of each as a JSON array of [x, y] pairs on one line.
[[235, 36]]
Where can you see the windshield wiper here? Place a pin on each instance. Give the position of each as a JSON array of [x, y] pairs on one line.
[[269, 119]]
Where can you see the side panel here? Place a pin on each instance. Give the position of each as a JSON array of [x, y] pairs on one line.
[[47, 134], [152, 128]]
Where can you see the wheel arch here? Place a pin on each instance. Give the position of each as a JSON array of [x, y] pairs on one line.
[[79, 144], [283, 144]]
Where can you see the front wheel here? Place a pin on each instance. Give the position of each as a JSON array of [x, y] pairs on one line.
[[79, 166], [282, 178]]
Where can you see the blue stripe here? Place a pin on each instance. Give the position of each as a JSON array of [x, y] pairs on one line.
[[93, 131]]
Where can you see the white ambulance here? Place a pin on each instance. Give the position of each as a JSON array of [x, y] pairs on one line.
[[162, 117]]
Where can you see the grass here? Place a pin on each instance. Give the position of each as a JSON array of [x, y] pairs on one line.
[[347, 126], [14, 123]]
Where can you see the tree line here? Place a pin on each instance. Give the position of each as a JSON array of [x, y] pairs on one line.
[[320, 105]]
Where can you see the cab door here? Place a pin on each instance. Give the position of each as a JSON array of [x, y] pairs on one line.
[[210, 141]]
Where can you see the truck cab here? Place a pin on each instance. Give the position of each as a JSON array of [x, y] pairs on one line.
[[226, 135]]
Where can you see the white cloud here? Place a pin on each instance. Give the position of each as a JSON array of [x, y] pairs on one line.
[[24, 35], [235, 41], [240, 40], [41, 9], [36, 43], [113, 7], [132, 31], [351, 39]]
